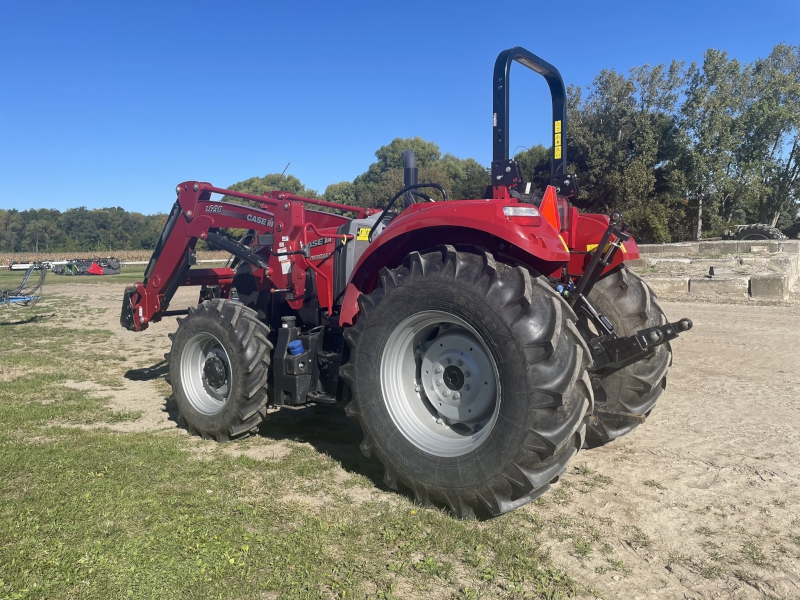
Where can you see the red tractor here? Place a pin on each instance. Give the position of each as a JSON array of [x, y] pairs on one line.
[[479, 343]]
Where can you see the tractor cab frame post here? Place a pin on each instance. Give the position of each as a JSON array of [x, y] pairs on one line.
[[564, 184]]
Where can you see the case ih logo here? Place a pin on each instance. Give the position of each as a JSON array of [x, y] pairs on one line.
[[220, 210], [319, 242], [259, 220]]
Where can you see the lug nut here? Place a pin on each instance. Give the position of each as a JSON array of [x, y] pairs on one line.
[[457, 396], [416, 388], [438, 382], [446, 392], [437, 370], [466, 388], [467, 374], [459, 363]]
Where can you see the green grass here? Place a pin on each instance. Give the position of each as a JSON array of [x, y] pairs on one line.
[[88, 512]]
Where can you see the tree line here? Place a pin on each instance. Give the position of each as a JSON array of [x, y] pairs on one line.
[[690, 151], [684, 151], [77, 230]]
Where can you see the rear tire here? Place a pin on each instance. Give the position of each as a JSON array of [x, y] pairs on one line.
[[218, 369], [629, 303], [759, 231], [510, 435]]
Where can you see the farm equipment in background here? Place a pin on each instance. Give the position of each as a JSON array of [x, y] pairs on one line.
[[479, 343], [25, 295], [760, 231], [86, 266]]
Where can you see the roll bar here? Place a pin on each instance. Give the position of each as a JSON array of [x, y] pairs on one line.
[[500, 94]]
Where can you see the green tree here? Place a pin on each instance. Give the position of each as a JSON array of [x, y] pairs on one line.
[[465, 178], [341, 192], [12, 227], [534, 162], [384, 177], [622, 146], [258, 186], [39, 230], [710, 120], [769, 153]]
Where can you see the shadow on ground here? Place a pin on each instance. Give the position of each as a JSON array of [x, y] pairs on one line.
[[32, 319], [156, 371], [324, 428], [329, 431]]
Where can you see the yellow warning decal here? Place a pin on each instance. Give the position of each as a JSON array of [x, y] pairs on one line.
[[557, 140], [563, 242], [590, 247], [363, 234]]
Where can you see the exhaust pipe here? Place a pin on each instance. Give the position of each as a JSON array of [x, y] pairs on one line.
[[410, 176]]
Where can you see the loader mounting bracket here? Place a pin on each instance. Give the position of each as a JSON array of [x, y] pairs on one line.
[[614, 352]]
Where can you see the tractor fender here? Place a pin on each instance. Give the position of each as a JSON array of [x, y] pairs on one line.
[[477, 223]]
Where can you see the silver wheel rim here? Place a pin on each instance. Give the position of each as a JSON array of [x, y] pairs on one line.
[[204, 396], [440, 384]]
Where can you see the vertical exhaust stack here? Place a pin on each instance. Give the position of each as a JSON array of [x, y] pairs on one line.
[[410, 175]]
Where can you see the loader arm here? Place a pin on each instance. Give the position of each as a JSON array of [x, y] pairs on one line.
[[195, 216]]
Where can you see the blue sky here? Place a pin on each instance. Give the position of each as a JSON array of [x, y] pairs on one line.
[[113, 104]]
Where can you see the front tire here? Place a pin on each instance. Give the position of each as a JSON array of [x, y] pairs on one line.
[[448, 323], [218, 369]]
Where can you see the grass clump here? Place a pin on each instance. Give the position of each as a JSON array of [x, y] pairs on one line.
[[652, 483]]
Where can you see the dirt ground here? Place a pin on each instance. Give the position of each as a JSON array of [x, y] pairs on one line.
[[702, 501]]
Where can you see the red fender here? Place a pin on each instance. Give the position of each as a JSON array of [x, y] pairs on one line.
[[476, 222]]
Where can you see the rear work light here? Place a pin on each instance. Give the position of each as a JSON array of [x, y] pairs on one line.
[[527, 216]]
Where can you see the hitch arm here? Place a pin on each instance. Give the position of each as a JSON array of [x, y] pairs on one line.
[[612, 352], [601, 258]]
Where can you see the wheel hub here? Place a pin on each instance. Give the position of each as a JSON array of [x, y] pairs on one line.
[[440, 383], [453, 378], [205, 373], [456, 374], [214, 372]]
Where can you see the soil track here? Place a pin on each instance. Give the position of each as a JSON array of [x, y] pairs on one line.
[[702, 501]]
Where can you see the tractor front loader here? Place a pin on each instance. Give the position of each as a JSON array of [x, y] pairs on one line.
[[479, 343]]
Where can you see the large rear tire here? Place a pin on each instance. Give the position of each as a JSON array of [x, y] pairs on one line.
[[469, 380], [218, 369], [759, 231], [629, 303]]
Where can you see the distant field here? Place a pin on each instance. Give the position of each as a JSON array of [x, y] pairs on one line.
[[11, 279], [122, 255]]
